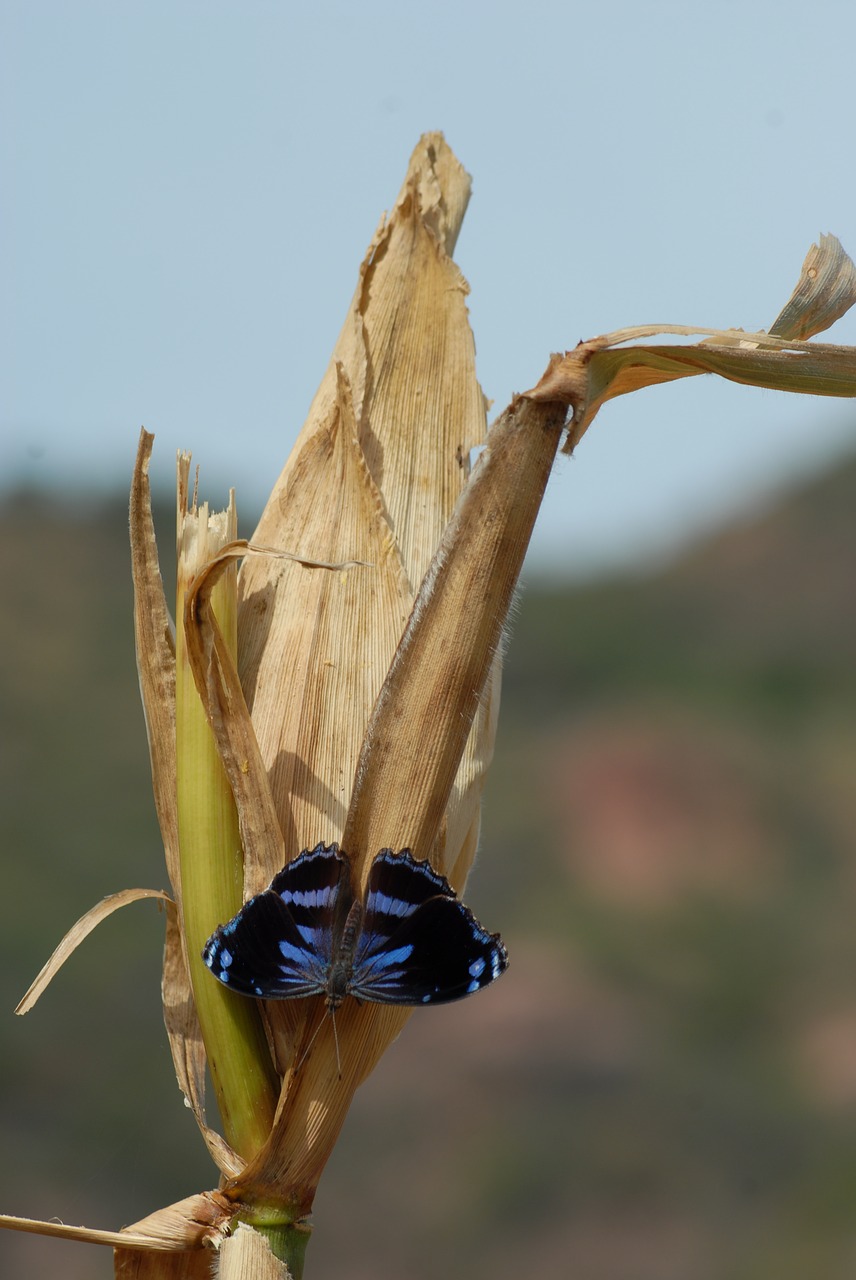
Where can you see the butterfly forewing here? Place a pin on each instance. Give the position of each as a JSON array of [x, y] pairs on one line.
[[397, 886], [279, 945], [419, 944]]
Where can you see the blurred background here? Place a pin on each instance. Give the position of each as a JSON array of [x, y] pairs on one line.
[[664, 1084]]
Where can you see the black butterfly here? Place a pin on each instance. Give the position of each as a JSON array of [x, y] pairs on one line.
[[410, 942]]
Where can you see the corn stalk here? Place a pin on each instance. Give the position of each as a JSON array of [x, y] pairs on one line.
[[344, 685]]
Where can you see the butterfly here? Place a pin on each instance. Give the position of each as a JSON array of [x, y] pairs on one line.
[[409, 942]]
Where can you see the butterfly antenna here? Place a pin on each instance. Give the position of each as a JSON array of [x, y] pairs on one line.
[[336, 1042], [308, 1048]]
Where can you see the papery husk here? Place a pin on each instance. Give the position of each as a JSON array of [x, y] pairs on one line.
[[435, 683], [185, 1240], [247, 1255], [220, 690], [374, 476], [197, 1222], [436, 688], [131, 1264]]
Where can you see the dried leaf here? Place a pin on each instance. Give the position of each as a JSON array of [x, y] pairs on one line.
[[155, 643], [77, 933], [384, 455], [604, 367], [201, 1220], [84, 1235], [326, 636], [436, 680], [185, 1237], [220, 689], [130, 1264], [185, 1039], [825, 290]]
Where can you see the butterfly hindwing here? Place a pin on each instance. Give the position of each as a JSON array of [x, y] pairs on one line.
[[279, 945], [419, 944]]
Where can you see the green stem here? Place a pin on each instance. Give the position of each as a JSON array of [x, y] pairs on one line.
[[287, 1241], [245, 1083]]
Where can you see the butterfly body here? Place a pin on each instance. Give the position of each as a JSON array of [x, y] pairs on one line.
[[408, 942], [342, 964]]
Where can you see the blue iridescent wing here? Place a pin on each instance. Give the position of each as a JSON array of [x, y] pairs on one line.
[[419, 944], [279, 945]]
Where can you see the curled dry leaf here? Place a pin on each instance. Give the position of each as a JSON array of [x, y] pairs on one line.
[[825, 290], [77, 933], [604, 367]]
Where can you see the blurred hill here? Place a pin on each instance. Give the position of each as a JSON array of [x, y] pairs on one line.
[[664, 1084]]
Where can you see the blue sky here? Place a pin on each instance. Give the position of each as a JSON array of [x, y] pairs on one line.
[[188, 190]]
